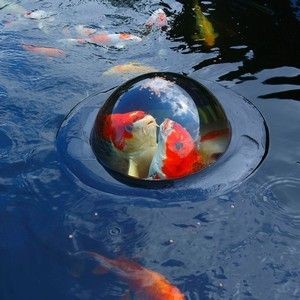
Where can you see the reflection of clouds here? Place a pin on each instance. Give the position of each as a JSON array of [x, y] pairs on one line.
[[168, 92], [158, 85]]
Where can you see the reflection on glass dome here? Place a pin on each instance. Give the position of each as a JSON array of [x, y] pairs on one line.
[[160, 126]]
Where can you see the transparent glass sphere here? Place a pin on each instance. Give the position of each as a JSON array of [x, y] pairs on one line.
[[160, 126]]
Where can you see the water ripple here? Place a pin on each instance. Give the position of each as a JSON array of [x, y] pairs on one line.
[[109, 228], [281, 196]]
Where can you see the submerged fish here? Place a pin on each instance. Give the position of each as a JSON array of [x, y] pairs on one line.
[[133, 137], [37, 14], [177, 154], [213, 144], [146, 284], [157, 19], [48, 51], [204, 29], [84, 30], [112, 39], [130, 68]]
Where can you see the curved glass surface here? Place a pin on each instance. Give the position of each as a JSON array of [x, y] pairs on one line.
[[160, 126]]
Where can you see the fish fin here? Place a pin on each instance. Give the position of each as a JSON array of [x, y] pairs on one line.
[[128, 265], [99, 270], [133, 169]]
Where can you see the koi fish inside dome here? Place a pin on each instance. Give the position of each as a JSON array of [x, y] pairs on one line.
[[177, 154], [151, 127]]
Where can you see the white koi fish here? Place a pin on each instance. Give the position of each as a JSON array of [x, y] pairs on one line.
[[157, 19]]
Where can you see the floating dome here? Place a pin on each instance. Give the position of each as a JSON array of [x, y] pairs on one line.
[[159, 127], [115, 141]]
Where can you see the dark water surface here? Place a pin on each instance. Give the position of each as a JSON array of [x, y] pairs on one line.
[[244, 244]]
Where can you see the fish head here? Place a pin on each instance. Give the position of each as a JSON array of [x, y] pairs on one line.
[[130, 132], [158, 19], [177, 153], [178, 141], [36, 14]]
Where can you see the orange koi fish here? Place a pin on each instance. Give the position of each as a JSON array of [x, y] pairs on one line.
[[48, 51], [133, 137], [112, 38], [177, 154], [157, 19], [145, 283]]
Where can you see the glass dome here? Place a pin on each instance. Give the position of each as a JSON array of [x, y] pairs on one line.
[[160, 126]]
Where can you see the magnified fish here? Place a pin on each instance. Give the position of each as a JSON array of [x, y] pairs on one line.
[[177, 154], [144, 283], [213, 144], [133, 137]]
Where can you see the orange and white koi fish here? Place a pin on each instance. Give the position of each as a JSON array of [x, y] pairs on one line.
[[146, 284], [112, 39], [177, 154], [48, 51], [213, 144], [133, 137], [130, 68], [157, 19]]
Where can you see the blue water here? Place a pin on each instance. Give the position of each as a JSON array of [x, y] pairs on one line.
[[243, 244]]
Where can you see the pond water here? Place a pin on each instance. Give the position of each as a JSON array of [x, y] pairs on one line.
[[240, 244]]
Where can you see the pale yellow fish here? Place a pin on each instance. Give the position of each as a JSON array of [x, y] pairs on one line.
[[130, 68]]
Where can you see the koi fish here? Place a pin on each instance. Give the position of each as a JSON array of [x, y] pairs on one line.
[[130, 68], [37, 14], [84, 30], [157, 19], [48, 51], [133, 137], [112, 39], [177, 154], [145, 283], [204, 29], [213, 144]]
